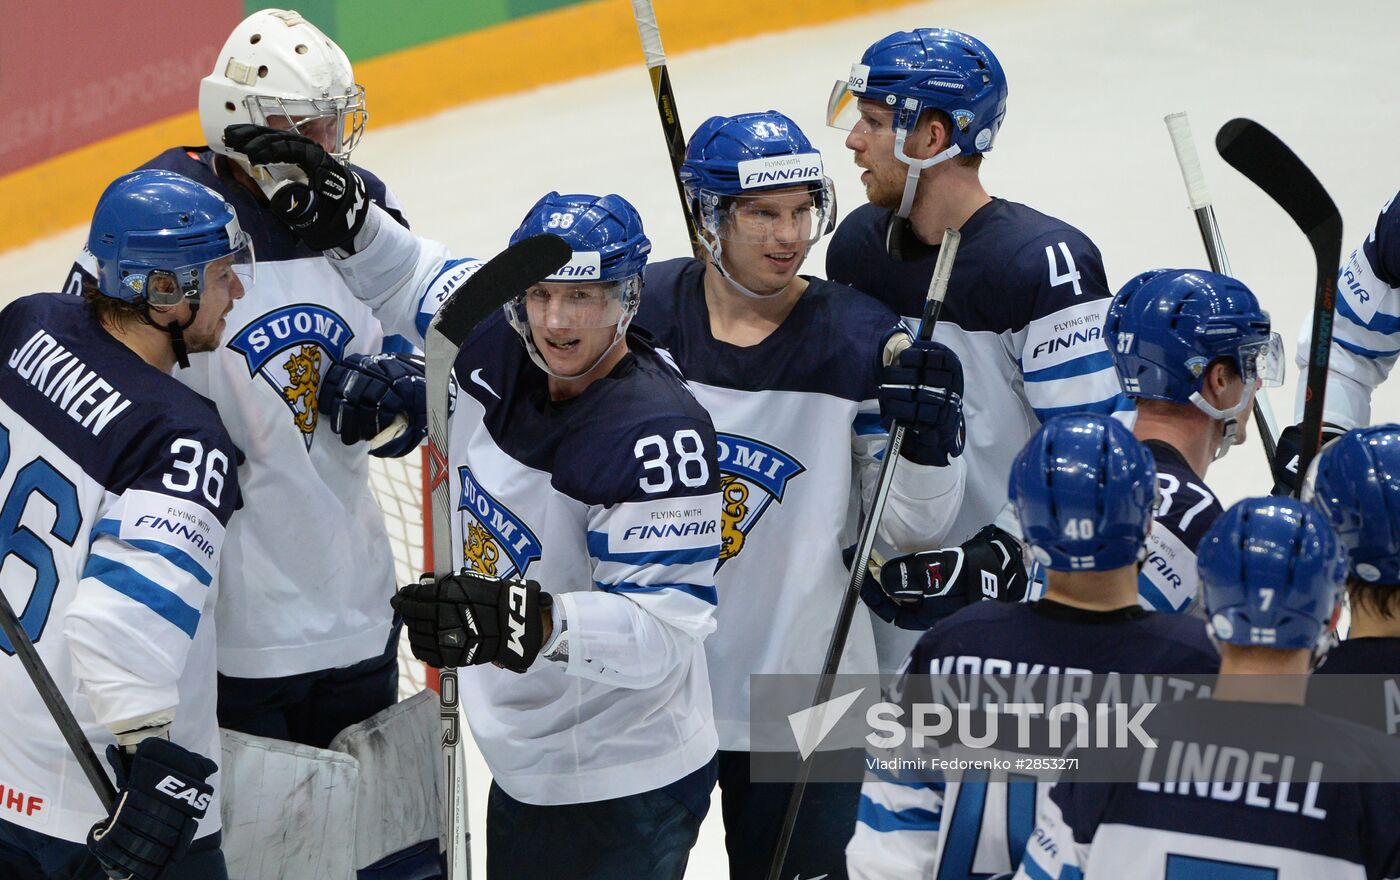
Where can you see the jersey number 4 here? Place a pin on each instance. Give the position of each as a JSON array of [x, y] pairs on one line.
[[37, 477]]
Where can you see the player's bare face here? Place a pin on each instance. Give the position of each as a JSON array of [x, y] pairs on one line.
[[572, 325], [766, 238], [222, 287], [872, 142]]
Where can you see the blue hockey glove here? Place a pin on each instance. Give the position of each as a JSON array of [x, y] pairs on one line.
[[923, 390], [162, 794], [363, 394], [918, 590]]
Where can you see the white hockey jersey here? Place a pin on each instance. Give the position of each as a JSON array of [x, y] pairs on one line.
[[310, 567], [1024, 312], [799, 432], [570, 495], [116, 485], [1366, 329]]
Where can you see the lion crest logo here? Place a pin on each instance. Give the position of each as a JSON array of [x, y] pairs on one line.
[[753, 475], [291, 348], [495, 541]]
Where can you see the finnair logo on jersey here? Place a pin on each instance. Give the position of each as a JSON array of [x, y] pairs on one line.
[[753, 475], [777, 170], [582, 266], [495, 541], [292, 347]]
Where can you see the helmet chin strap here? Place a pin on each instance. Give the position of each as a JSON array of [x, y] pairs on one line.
[[916, 168], [1227, 418], [176, 331]]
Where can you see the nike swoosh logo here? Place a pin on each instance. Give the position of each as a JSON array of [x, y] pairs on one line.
[[476, 378]]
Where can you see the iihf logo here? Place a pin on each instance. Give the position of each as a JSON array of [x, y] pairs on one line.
[[752, 476], [292, 348], [495, 542]]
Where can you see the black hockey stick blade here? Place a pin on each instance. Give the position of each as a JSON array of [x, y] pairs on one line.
[[504, 277], [1258, 154]]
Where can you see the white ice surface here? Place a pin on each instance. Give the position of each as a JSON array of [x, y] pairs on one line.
[[1090, 82]]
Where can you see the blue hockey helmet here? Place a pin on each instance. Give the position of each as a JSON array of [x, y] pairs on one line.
[[1083, 488], [928, 69], [732, 161], [609, 253], [1356, 482], [154, 233], [1271, 571]]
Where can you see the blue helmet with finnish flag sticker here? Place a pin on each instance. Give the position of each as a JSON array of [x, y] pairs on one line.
[[1083, 488], [154, 232], [735, 167], [1167, 326], [600, 286], [1356, 483], [1271, 571]]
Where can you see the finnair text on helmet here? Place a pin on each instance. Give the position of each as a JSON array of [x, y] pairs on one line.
[[772, 170], [582, 266]]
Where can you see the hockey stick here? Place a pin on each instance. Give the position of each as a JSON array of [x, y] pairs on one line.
[[488, 289], [865, 545], [1256, 153], [1180, 130], [62, 715], [650, 33]]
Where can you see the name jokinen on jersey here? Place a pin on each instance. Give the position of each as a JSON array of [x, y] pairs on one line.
[[117, 485], [611, 502]]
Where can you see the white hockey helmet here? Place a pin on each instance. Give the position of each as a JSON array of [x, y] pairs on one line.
[[278, 64]]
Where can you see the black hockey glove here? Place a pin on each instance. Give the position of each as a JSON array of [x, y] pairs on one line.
[[364, 394], [162, 795], [325, 212], [922, 389], [467, 619], [918, 590], [1288, 448]]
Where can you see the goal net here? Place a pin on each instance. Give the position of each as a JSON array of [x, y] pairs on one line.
[[398, 487]]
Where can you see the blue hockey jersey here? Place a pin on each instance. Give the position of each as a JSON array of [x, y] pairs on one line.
[[116, 486], [1184, 512], [977, 827]]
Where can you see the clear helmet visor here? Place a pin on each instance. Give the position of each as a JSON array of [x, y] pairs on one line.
[[842, 107], [797, 217], [1263, 362], [335, 123], [168, 287], [564, 305]]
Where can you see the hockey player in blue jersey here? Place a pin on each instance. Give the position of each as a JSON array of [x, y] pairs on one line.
[[1025, 303], [1191, 348], [1365, 340], [1083, 491], [1357, 484], [1272, 572], [117, 485], [791, 370], [580, 461]]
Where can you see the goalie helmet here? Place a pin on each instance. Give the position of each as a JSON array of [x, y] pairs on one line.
[[1167, 326], [1356, 483], [1083, 488], [1271, 572], [154, 233], [732, 161], [609, 253], [926, 69], [278, 64]]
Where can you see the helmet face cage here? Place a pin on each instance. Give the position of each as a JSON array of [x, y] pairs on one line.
[[343, 117]]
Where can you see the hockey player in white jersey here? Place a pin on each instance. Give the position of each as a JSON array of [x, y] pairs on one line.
[[1076, 471], [579, 460], [1025, 303], [1365, 340], [791, 369], [1192, 348], [1357, 484], [117, 485], [306, 638], [1272, 571]]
